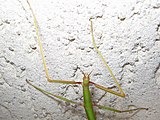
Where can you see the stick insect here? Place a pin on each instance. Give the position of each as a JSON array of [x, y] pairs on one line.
[[87, 104]]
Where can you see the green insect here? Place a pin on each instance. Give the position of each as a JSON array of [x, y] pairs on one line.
[[87, 104]]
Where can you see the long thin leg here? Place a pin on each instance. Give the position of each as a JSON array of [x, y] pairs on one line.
[[121, 94], [56, 96], [42, 53], [119, 111], [108, 90]]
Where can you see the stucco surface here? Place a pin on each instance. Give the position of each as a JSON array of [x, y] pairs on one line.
[[127, 34]]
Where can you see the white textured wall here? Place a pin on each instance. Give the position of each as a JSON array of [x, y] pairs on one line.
[[128, 35]]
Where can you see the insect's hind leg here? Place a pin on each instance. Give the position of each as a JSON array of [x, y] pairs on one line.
[[120, 111]]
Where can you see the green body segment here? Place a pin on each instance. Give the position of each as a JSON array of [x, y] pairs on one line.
[[86, 80], [87, 99]]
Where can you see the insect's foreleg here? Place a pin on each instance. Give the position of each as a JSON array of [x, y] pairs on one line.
[[42, 53], [122, 94]]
